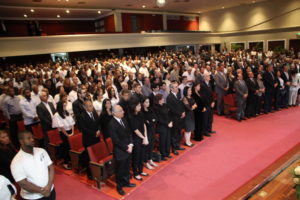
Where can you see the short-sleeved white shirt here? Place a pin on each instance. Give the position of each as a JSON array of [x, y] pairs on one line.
[[33, 168], [5, 193]]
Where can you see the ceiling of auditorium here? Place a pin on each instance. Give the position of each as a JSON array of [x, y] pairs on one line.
[[89, 8]]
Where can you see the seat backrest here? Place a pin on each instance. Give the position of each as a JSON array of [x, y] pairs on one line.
[[109, 144], [37, 131], [54, 137], [76, 142], [229, 100], [21, 125], [98, 151]]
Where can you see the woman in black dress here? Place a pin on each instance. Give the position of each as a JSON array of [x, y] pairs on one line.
[[150, 120], [189, 121], [140, 139], [199, 112], [7, 153], [164, 125], [105, 117]]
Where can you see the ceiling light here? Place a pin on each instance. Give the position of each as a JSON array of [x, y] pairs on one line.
[[67, 11], [160, 3], [31, 10], [25, 16], [199, 11], [67, 0], [253, 1], [99, 12], [223, 7], [58, 16], [144, 6]]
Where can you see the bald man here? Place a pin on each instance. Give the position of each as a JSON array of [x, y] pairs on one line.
[[123, 145]]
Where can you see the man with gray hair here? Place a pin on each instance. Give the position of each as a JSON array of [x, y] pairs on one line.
[[122, 139]]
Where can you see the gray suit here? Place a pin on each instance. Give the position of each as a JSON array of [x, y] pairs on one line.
[[241, 89], [221, 83]]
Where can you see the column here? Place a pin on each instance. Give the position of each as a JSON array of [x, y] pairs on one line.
[[118, 21], [165, 22]]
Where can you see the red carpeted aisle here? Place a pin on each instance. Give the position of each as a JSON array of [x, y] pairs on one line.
[[215, 167]]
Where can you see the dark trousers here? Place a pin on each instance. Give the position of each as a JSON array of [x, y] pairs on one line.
[[65, 147], [122, 172], [252, 102], [269, 95], [286, 96], [199, 125], [279, 99], [175, 133], [13, 129], [208, 120], [220, 102], [259, 106], [241, 106], [28, 126], [164, 141], [51, 197], [138, 154], [149, 147]]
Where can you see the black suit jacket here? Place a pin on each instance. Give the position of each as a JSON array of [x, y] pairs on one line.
[[252, 87], [175, 105], [121, 137], [285, 78], [269, 81], [89, 127], [207, 94], [45, 116]]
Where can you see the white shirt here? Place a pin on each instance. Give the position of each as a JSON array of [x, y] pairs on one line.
[[5, 193], [35, 97], [49, 109], [72, 96], [59, 122], [98, 106], [144, 70], [28, 110], [33, 168]]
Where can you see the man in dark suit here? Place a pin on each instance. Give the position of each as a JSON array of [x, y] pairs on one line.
[[90, 128], [137, 92], [252, 100], [177, 111], [287, 78], [78, 107], [45, 111], [207, 94], [89, 124], [241, 94], [123, 145], [270, 84], [222, 86]]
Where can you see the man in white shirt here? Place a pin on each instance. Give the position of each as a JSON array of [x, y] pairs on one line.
[[33, 170], [28, 107], [143, 70], [8, 190], [190, 75]]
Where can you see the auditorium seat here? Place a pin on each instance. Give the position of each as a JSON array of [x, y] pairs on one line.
[[38, 134], [101, 162], [230, 107], [76, 151], [54, 145], [21, 125]]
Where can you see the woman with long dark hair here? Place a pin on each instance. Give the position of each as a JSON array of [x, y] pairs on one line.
[[199, 112], [189, 121], [105, 117], [164, 125], [7, 153], [64, 122], [150, 120], [140, 139]]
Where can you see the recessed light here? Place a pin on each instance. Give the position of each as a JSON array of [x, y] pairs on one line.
[[99, 12], [68, 11], [144, 6], [253, 1], [58, 16], [223, 7], [25, 16], [67, 0], [199, 11], [31, 10]]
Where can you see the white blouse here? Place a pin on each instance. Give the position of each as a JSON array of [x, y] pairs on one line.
[[98, 106], [66, 123]]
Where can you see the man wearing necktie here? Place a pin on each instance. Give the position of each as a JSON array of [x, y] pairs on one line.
[[252, 101], [241, 95], [270, 84]]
